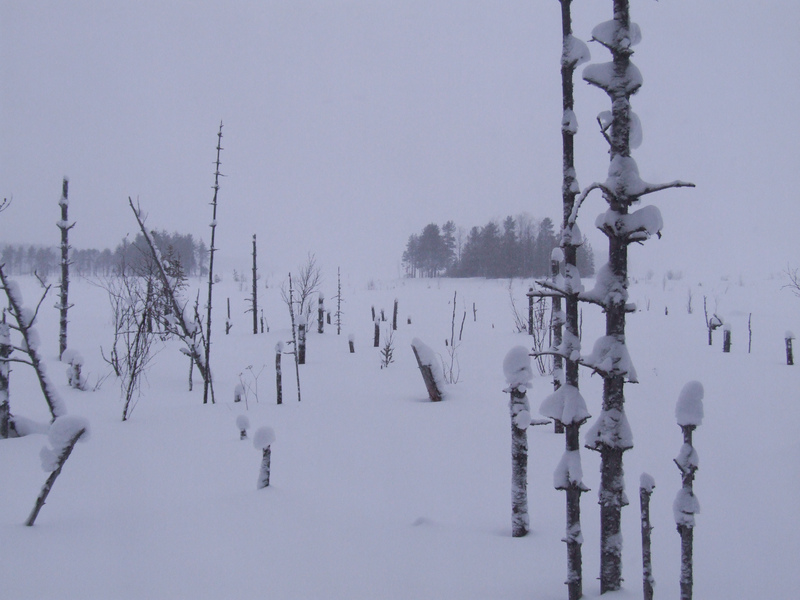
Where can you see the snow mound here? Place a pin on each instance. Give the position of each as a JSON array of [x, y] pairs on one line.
[[566, 405]]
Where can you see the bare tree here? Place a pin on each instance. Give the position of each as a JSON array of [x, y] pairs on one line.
[[306, 285], [25, 320], [254, 294], [64, 225], [611, 435], [5, 354], [207, 385], [190, 331]]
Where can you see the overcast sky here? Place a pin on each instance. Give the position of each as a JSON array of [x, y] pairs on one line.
[[350, 124]]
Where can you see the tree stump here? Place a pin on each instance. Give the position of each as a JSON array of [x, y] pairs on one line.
[[426, 361]]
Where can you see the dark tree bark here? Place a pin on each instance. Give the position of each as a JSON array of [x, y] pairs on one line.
[[228, 324], [254, 300], [685, 517], [321, 314], [520, 521], [394, 316], [645, 491], [376, 338], [338, 301], [726, 339], [789, 352], [52, 478], [263, 475], [278, 373], [5, 354], [294, 338], [64, 225], [301, 343], [352, 343]]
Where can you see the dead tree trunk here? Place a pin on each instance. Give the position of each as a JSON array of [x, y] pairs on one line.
[[376, 338], [263, 475], [64, 225], [254, 300], [278, 373], [321, 314], [685, 509], [228, 324], [426, 361], [294, 338], [726, 338], [301, 343], [5, 354], [338, 301], [520, 520], [394, 316], [53, 476], [611, 435], [207, 384], [351, 341], [789, 353], [646, 486]]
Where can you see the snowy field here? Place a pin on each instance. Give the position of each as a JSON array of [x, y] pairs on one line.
[[378, 493]]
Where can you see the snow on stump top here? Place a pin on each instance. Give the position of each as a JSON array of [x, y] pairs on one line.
[[517, 369], [430, 368], [689, 409], [263, 438]]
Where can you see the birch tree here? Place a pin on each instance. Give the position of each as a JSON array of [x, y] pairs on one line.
[[63, 305]]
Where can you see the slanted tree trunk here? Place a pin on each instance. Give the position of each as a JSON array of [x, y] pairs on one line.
[[294, 338], [64, 225], [53, 476], [424, 361]]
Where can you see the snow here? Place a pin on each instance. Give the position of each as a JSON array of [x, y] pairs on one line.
[[689, 408], [569, 122], [612, 35], [575, 52], [429, 358], [636, 226], [788, 335], [263, 438], [608, 288], [243, 422], [610, 429], [685, 507], [647, 482], [604, 76], [565, 405], [569, 470], [517, 368], [557, 255], [60, 434], [610, 355], [623, 178], [164, 506], [687, 458], [72, 357], [279, 347]]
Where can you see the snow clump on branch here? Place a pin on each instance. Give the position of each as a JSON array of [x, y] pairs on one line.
[[689, 409]]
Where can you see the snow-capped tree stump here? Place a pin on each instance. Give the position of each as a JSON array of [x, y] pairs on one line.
[[5, 354], [726, 337], [789, 353], [238, 393], [430, 369], [646, 486], [351, 341], [64, 433], [262, 440], [242, 424], [689, 414], [519, 374], [278, 373]]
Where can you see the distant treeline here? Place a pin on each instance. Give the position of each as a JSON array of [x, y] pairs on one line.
[[127, 257], [521, 247]]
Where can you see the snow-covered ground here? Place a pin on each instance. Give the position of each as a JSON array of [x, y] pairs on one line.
[[378, 493]]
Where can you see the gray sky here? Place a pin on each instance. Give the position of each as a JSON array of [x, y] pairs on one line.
[[350, 124]]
